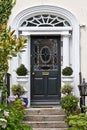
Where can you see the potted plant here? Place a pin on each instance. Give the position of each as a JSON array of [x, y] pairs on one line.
[[22, 74], [67, 77], [19, 90], [22, 79], [66, 89], [69, 102]]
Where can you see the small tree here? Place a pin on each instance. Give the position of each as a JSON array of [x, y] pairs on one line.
[[10, 45]]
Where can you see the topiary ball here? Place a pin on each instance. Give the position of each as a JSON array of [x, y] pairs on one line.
[[67, 71], [22, 70]]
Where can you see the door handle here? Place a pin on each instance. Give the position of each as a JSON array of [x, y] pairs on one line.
[[33, 73]]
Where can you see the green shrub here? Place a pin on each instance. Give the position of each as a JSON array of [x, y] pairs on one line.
[[11, 116], [66, 89], [78, 122], [67, 71], [22, 70], [69, 103]]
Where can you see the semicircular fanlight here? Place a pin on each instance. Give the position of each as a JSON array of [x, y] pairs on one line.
[[45, 20]]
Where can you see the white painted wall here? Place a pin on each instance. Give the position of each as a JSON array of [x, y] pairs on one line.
[[76, 7]]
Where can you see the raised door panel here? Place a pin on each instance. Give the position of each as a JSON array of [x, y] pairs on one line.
[[52, 86]]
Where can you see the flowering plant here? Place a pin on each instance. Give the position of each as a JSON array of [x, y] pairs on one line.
[[11, 115]]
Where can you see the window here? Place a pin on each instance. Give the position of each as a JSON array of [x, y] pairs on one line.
[[45, 20]]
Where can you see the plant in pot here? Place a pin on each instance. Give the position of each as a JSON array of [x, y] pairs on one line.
[[67, 71], [69, 102], [19, 90], [22, 70], [66, 89]]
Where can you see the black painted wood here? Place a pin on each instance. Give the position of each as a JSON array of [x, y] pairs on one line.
[[45, 83]]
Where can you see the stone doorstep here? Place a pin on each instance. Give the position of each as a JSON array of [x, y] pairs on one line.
[[49, 128], [44, 117], [44, 111], [47, 124]]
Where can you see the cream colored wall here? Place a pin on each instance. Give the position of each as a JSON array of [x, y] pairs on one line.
[[77, 7]]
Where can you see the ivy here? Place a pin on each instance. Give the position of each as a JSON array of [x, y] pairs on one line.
[[5, 10]]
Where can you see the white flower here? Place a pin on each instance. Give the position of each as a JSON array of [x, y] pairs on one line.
[[4, 126], [6, 113], [3, 123]]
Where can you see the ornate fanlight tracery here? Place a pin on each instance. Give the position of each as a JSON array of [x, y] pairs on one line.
[[45, 20]]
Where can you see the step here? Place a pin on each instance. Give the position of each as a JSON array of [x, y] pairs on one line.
[[45, 111], [47, 124], [49, 128], [44, 118]]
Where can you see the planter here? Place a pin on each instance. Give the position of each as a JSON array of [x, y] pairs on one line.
[[22, 78], [25, 101], [67, 79]]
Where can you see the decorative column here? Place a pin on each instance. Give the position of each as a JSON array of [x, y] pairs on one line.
[[66, 50]]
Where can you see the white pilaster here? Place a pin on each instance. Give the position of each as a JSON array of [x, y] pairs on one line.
[[25, 54], [29, 66], [66, 53], [26, 61]]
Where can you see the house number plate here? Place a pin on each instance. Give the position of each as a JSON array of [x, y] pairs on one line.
[[45, 73]]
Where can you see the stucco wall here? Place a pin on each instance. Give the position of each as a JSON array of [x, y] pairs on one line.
[[76, 7]]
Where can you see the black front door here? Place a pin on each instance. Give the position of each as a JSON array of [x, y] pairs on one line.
[[45, 69]]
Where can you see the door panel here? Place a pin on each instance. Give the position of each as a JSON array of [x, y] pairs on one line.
[[45, 68], [38, 86], [52, 86]]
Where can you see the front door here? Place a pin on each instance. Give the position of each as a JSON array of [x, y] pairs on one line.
[[45, 69]]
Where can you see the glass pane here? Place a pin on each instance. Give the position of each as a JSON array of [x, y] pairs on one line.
[[46, 20], [45, 54]]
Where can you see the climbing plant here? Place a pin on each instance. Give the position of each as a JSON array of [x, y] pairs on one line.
[[5, 10]]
